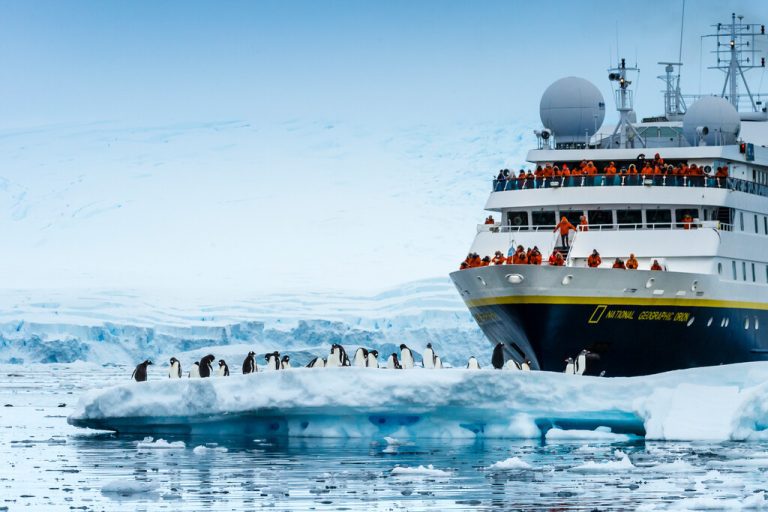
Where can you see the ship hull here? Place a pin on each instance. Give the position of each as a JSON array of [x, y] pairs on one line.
[[628, 333]]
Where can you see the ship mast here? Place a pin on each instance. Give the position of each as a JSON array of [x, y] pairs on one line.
[[624, 104]]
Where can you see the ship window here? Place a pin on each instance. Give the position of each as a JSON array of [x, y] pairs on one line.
[[756, 230], [574, 217], [517, 219], [765, 225], [658, 218], [733, 267], [682, 212], [598, 217], [628, 218], [543, 218], [720, 268], [744, 270], [741, 220], [753, 273]]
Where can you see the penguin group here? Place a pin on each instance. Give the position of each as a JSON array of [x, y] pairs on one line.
[[577, 365]]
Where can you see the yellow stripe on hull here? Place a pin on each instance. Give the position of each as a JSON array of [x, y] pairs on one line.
[[619, 301]]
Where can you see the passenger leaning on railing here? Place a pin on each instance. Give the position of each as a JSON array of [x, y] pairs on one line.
[[618, 263], [535, 257], [656, 265], [632, 262], [498, 258], [594, 260]]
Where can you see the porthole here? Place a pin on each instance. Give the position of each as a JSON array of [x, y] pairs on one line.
[[727, 321], [695, 286], [757, 323], [722, 322], [482, 281], [709, 322], [690, 321], [567, 280], [746, 323], [649, 282], [514, 278]]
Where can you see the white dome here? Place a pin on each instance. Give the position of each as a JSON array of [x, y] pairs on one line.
[[572, 108], [712, 120]]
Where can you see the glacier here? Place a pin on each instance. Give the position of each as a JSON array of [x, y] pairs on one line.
[[725, 403]]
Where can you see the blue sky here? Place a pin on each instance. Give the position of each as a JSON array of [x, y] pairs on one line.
[[387, 62]]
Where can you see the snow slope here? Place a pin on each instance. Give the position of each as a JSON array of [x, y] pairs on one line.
[[358, 402]]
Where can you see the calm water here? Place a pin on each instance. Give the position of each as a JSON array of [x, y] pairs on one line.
[[48, 465]]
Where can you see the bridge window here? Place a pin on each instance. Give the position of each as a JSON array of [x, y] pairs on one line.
[[682, 212], [574, 217], [543, 218], [600, 217], [628, 217], [517, 219], [659, 218]]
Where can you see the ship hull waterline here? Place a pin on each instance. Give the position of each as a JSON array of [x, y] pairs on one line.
[[629, 330]]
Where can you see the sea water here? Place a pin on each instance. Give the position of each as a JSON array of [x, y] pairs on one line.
[[45, 464]]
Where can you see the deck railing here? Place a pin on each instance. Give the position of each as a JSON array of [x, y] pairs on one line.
[[634, 180], [711, 224]]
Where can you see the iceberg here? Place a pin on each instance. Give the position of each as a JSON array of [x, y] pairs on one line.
[[450, 403]]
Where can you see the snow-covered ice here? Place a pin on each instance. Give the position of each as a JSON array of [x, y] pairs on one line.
[[510, 464], [622, 463], [128, 487], [600, 434], [160, 444], [427, 471], [202, 449]]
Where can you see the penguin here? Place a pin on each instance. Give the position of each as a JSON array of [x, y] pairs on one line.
[[223, 369], [393, 363], [472, 364], [273, 360], [285, 362], [140, 373], [511, 365], [428, 357], [372, 361], [249, 365], [361, 358], [338, 356], [317, 362], [175, 370], [438, 363], [344, 358], [570, 369], [526, 366], [406, 357], [581, 362], [194, 373], [206, 368], [497, 359]]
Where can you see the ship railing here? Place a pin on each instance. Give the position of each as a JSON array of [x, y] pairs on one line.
[[632, 180], [711, 224]]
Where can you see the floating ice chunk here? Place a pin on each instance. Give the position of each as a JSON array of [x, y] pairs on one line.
[[128, 487], [755, 502], [391, 441], [510, 464], [622, 464], [599, 434], [678, 466], [420, 471], [160, 444], [202, 449]]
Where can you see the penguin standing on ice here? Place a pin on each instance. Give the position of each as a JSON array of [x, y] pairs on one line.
[[140, 373], [372, 361], [570, 369], [194, 373], [174, 372], [273, 360], [526, 366], [206, 366], [512, 365], [361, 358], [581, 362], [393, 363], [317, 362], [497, 359], [285, 362], [223, 370], [338, 356], [406, 357], [472, 364], [428, 357], [249, 365], [438, 363]]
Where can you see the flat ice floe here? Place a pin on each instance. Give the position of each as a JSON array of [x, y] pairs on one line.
[[428, 470], [510, 464], [718, 403]]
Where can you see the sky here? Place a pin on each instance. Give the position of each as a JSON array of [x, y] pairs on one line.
[[290, 144]]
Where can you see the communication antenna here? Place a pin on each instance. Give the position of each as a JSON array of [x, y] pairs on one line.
[[736, 53], [624, 104], [674, 104]]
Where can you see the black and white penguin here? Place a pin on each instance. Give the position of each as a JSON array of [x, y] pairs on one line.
[[194, 373], [317, 362], [174, 372], [206, 366], [570, 368], [273, 360], [511, 364], [249, 365], [373, 359], [428, 357], [361, 358], [581, 362], [223, 370], [393, 363], [526, 366], [140, 373], [497, 359], [472, 364], [438, 363], [285, 362], [406, 357], [338, 357]]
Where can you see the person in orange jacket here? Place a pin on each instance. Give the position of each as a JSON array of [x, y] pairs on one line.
[[565, 228], [559, 260], [485, 261], [611, 169], [687, 221], [656, 265], [583, 224], [535, 258], [464, 265], [474, 260], [618, 263], [594, 260], [498, 258], [489, 220], [632, 263], [519, 258]]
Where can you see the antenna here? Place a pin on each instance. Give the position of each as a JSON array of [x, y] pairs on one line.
[[736, 53], [682, 23], [624, 104]]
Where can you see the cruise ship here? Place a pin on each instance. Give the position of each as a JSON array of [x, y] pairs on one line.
[[708, 231]]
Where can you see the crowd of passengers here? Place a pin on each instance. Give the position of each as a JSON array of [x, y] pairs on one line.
[[643, 167], [532, 256]]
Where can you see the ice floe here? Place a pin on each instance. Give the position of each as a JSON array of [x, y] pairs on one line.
[[160, 444], [428, 470], [510, 464]]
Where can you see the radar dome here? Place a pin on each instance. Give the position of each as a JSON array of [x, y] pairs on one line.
[[572, 108], [713, 121]]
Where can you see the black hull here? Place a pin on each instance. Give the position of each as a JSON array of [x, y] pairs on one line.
[[626, 340]]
